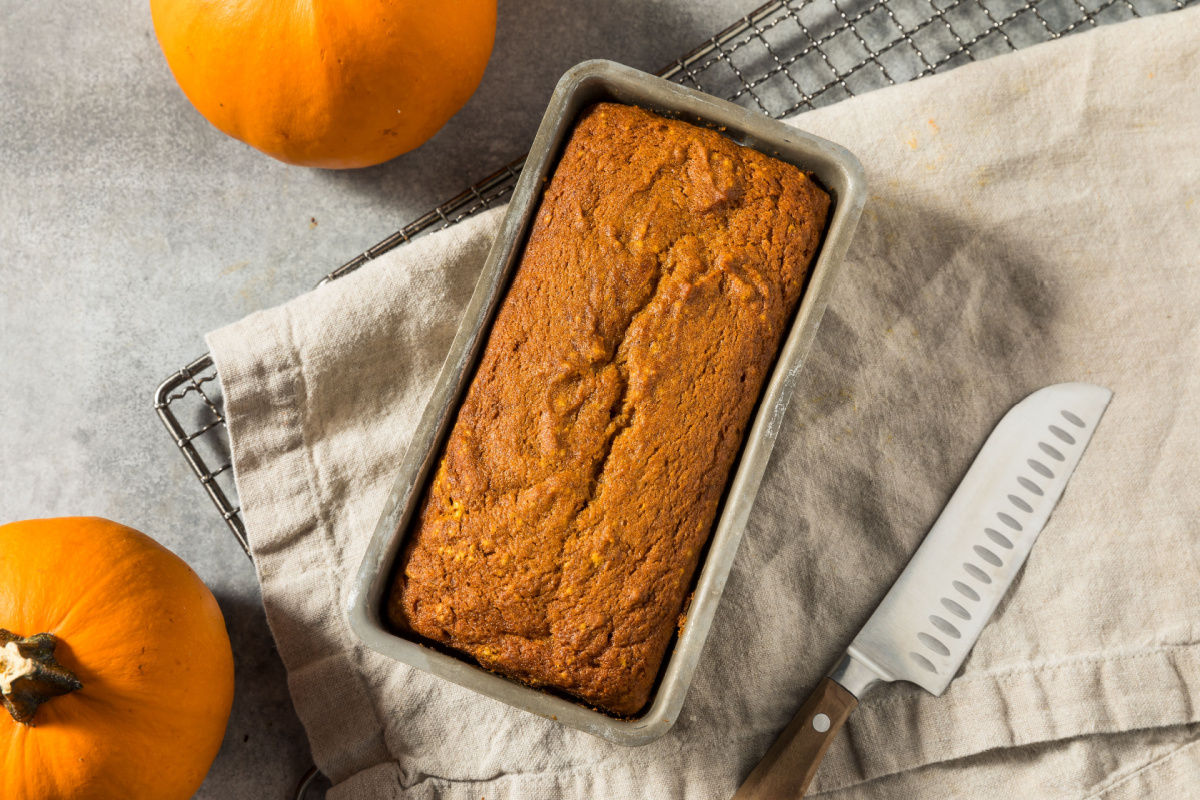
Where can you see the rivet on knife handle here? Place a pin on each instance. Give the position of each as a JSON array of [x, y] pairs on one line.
[[924, 628], [788, 767]]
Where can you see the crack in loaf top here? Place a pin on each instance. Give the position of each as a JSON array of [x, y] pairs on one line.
[[559, 535]]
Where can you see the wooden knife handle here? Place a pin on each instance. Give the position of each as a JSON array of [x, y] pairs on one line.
[[789, 766]]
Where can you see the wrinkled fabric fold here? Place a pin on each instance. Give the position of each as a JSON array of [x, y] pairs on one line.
[[1033, 219]]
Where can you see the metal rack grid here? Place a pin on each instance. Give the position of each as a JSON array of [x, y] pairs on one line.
[[786, 57]]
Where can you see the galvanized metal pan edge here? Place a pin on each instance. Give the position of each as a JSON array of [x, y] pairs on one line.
[[834, 167]]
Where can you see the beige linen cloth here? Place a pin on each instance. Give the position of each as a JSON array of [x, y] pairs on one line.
[[1032, 219]]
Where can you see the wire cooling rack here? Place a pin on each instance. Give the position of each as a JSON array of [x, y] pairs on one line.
[[786, 57]]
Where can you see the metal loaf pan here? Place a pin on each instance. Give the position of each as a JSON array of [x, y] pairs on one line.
[[592, 81]]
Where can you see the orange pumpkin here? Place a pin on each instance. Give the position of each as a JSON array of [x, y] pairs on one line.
[[115, 659], [343, 83]]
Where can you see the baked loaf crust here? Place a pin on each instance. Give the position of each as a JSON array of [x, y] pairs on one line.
[[558, 538]]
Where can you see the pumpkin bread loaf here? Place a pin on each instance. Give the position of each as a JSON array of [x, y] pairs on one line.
[[557, 540]]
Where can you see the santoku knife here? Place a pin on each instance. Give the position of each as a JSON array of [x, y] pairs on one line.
[[929, 621]]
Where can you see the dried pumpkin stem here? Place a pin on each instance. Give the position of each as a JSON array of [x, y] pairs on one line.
[[29, 674]]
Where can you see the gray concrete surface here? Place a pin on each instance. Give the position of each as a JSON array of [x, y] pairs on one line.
[[129, 228]]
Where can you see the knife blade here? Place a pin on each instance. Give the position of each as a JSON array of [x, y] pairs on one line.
[[926, 625]]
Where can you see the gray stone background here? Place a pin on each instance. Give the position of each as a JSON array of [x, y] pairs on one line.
[[129, 227]]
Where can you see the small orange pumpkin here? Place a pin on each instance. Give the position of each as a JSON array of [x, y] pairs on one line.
[[342, 83], [115, 667]]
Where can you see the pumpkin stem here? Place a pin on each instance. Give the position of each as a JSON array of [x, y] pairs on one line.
[[29, 675]]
